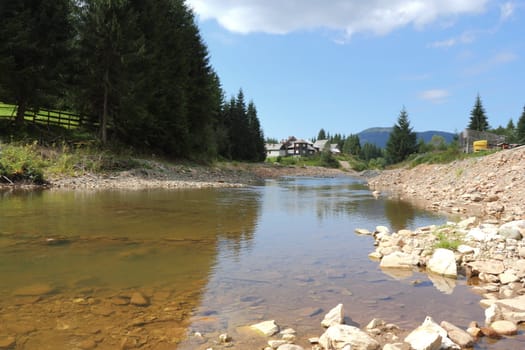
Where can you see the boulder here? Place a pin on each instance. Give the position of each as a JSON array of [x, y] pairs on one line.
[[267, 328], [340, 337], [443, 262], [458, 335], [512, 230], [504, 327], [399, 260], [334, 317], [430, 336]]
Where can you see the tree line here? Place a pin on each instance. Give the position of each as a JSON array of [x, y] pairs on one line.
[[403, 142], [139, 68]]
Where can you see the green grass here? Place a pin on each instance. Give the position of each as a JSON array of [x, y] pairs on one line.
[[448, 240], [44, 116]]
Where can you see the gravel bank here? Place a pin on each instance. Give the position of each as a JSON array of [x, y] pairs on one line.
[[490, 187], [158, 175]]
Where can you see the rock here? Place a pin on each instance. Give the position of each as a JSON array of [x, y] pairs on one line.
[[274, 344], [383, 230], [424, 339], [512, 230], [334, 317], [139, 299], [267, 328], [467, 223], [475, 332], [489, 332], [338, 336], [504, 327], [362, 231], [443, 262], [375, 255], [493, 267], [34, 290], [458, 335], [508, 277], [399, 260], [428, 336], [375, 323], [492, 313], [7, 342], [465, 249], [290, 347], [224, 338]]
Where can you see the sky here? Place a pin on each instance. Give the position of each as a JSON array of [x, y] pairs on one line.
[[349, 65]]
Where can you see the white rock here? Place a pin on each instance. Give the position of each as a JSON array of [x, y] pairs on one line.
[[267, 328], [375, 323], [339, 336], [508, 277], [383, 229], [334, 317], [443, 262], [465, 249], [424, 339], [399, 260], [492, 313], [428, 336], [513, 229]]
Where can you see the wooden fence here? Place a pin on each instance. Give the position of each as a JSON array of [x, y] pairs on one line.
[[49, 117]]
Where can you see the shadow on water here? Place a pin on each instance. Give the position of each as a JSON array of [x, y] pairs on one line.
[[72, 262]]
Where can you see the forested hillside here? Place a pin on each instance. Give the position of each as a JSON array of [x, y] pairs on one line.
[[139, 69]]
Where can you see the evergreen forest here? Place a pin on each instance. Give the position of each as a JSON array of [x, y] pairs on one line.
[[137, 71]]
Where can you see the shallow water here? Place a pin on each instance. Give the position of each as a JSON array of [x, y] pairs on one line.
[[208, 261]]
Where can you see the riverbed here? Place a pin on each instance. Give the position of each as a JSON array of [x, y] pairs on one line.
[[151, 268]]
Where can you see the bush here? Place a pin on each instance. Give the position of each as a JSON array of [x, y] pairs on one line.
[[21, 164]]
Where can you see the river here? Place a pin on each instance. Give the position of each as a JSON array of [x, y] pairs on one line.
[[208, 261]]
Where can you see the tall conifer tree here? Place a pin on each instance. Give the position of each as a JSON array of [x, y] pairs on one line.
[[402, 141], [478, 119]]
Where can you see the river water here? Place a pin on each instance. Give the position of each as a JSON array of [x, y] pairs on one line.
[[208, 261]]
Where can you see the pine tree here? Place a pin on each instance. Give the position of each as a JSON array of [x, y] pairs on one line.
[[478, 119], [520, 128], [402, 141], [511, 131], [321, 135], [35, 38], [352, 145], [256, 134]]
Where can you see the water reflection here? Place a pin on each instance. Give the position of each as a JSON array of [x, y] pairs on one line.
[[399, 213], [84, 255]]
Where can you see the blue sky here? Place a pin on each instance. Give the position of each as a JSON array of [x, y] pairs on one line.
[[348, 65]]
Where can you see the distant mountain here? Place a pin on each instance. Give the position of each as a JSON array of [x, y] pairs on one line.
[[379, 136]]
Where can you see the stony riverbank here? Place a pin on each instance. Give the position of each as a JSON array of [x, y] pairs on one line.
[[490, 187], [159, 175]]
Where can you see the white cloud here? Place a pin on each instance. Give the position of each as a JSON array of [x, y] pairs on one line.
[[465, 38], [507, 10], [434, 95], [496, 60], [349, 16]]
